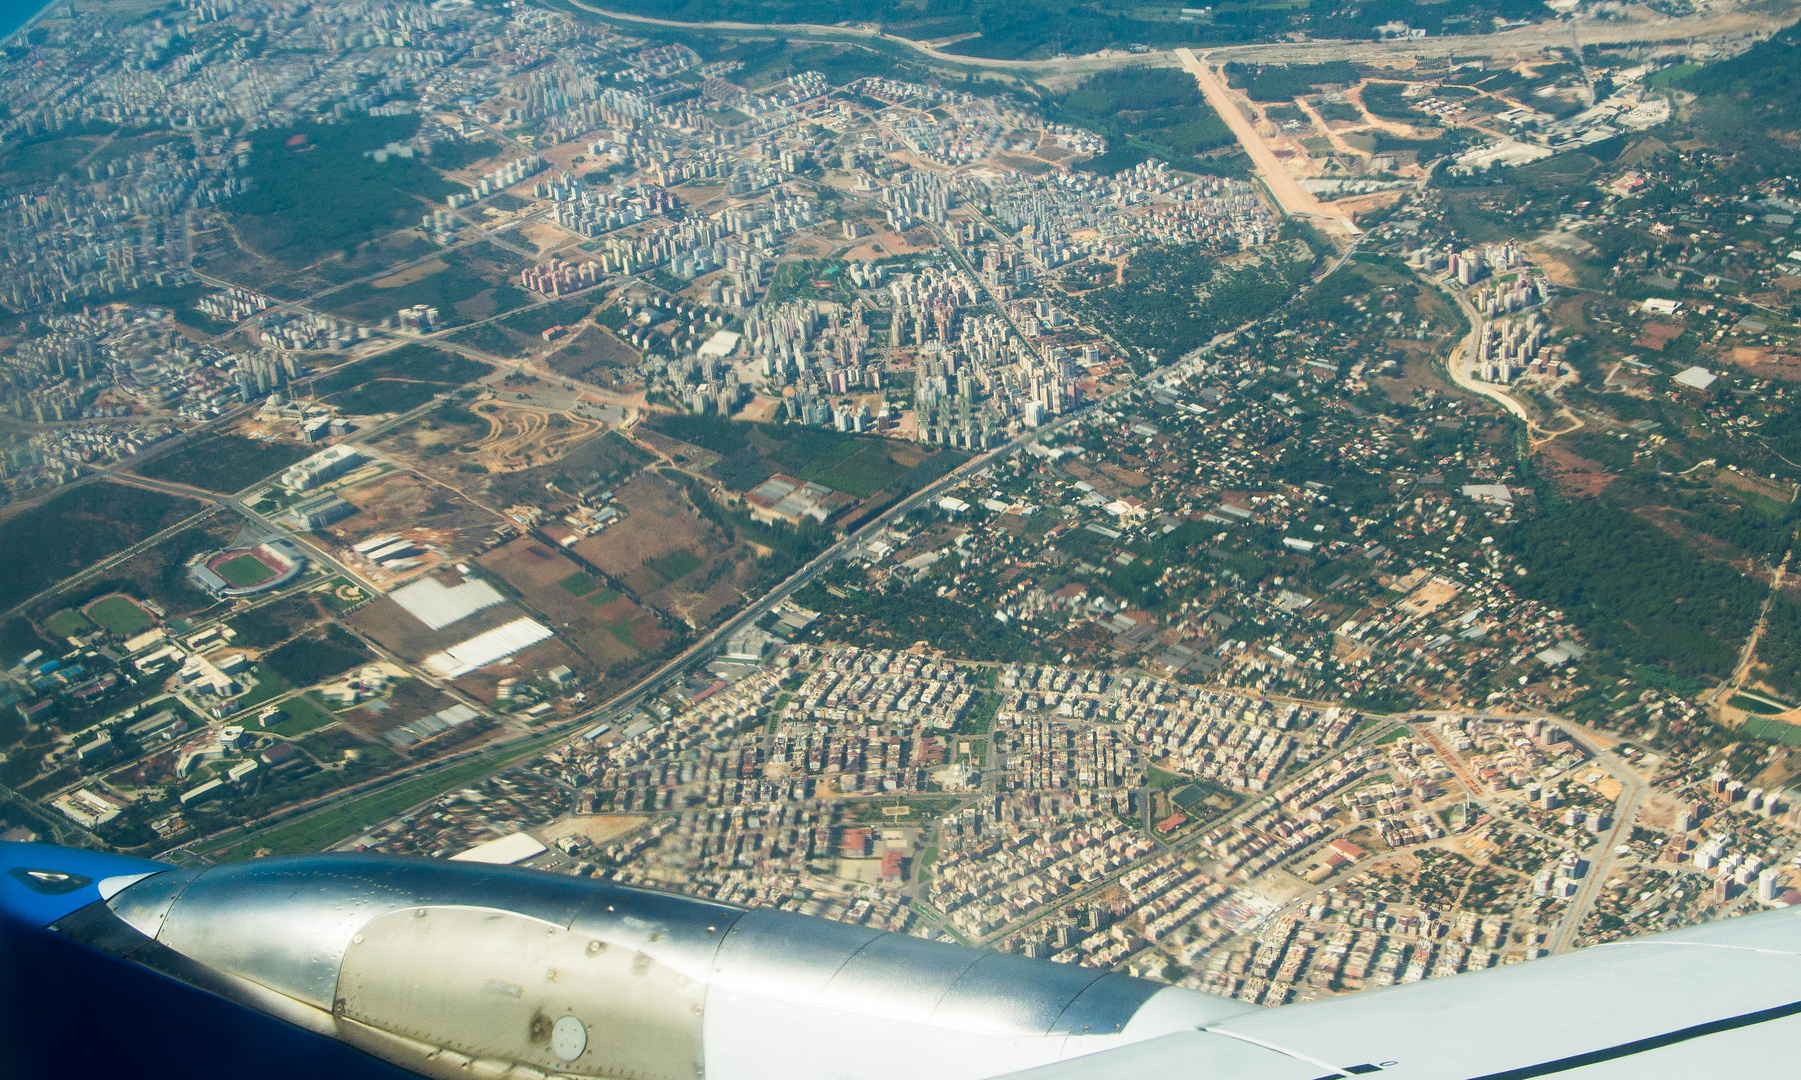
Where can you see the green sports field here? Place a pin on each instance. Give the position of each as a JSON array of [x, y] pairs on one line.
[[245, 571], [119, 615]]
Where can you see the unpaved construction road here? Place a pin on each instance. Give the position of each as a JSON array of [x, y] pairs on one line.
[[1295, 199]]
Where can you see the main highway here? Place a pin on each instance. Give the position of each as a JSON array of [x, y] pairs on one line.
[[1718, 25]]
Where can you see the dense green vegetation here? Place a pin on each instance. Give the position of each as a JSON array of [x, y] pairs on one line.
[[1174, 300], [1747, 105], [1765, 79], [1285, 82], [1779, 647], [272, 623], [1037, 29], [1158, 113], [224, 463], [317, 193], [397, 381], [860, 465], [77, 527], [1636, 590], [1453, 140], [897, 617], [1385, 99], [305, 661]]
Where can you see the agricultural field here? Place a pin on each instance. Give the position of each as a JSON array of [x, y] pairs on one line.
[[226, 463], [667, 552], [530, 667], [400, 633], [605, 625], [406, 700], [78, 527]]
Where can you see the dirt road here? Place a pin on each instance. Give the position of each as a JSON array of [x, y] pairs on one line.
[[1294, 199]]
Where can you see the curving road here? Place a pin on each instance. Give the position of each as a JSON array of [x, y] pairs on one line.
[[1458, 363], [1713, 27]]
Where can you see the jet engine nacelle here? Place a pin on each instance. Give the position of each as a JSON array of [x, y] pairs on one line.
[[458, 970]]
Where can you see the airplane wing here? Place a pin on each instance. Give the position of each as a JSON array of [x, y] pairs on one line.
[[373, 966], [1723, 998]]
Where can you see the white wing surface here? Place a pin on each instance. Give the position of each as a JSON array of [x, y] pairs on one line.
[[1718, 1000]]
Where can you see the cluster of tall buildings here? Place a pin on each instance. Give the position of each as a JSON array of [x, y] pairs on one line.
[[1468, 265], [1510, 347]]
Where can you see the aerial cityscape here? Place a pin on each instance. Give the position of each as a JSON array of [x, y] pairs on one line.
[[1277, 500]]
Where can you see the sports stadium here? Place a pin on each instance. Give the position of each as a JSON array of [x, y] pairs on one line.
[[246, 571]]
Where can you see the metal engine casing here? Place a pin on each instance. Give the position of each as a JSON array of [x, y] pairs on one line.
[[455, 969]]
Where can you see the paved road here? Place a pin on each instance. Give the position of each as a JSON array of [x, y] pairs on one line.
[[109, 562], [1712, 27], [1458, 363], [1634, 790]]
